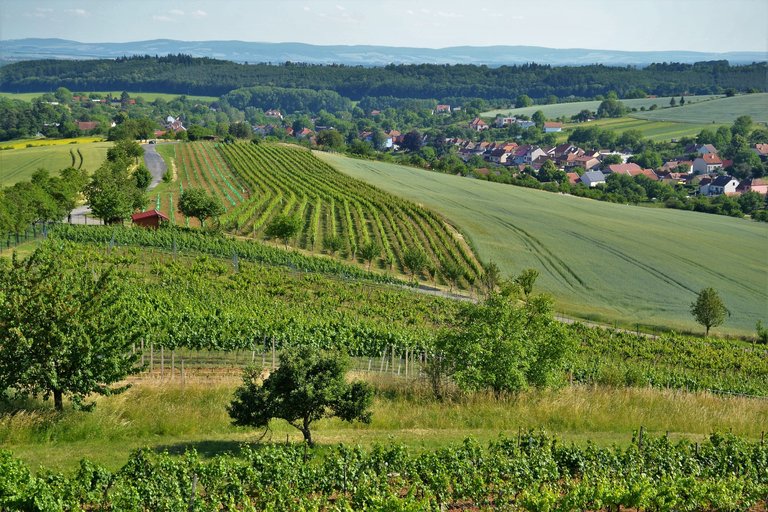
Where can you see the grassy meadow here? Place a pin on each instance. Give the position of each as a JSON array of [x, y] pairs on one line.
[[147, 96], [720, 111], [571, 109], [606, 262], [172, 416], [19, 163], [650, 129]]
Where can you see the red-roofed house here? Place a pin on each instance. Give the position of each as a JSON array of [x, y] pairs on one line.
[[552, 127], [761, 150], [707, 163], [759, 185], [86, 126], [630, 169], [149, 219], [443, 109], [573, 178], [478, 124]]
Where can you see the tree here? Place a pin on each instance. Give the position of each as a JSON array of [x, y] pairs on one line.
[[451, 271], [539, 118], [672, 102], [412, 141], [333, 243], [112, 193], [415, 261], [708, 309], [523, 101], [611, 159], [611, 107], [331, 139], [66, 326], [369, 251], [505, 347], [682, 100], [143, 177], [195, 202], [308, 385], [490, 277], [526, 280], [284, 227]]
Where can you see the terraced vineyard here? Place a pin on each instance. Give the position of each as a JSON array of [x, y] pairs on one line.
[[291, 181]]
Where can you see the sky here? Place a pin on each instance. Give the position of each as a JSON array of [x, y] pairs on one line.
[[634, 25]]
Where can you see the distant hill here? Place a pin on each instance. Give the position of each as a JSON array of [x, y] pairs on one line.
[[241, 51]]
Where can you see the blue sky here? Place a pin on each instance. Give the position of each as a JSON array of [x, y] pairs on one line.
[[701, 25]]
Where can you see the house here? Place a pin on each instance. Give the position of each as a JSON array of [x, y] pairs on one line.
[[501, 122], [149, 219], [86, 126], [707, 163], [586, 162], [701, 149], [527, 153], [592, 178], [628, 169], [759, 185], [274, 114], [573, 178], [500, 155], [375, 113], [553, 127], [443, 109], [478, 124], [174, 124], [525, 124], [674, 178], [676, 166], [303, 133], [719, 185]]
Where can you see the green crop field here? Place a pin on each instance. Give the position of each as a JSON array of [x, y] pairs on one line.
[[148, 96], [719, 111], [571, 109], [654, 130], [19, 163], [601, 261]]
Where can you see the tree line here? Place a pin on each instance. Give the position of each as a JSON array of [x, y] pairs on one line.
[[204, 76]]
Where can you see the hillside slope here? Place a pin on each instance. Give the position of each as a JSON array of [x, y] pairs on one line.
[[600, 260]]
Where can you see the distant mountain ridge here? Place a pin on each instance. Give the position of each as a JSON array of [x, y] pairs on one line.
[[358, 55]]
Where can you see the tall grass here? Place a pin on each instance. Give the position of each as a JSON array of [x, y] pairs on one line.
[[172, 416]]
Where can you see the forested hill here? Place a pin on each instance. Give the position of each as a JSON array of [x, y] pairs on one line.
[[183, 74]]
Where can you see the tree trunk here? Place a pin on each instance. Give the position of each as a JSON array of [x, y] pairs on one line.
[[58, 400], [306, 432]]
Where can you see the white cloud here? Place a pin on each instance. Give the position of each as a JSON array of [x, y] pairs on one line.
[[79, 12], [198, 14], [176, 12]]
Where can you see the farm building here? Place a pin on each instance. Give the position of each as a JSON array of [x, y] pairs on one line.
[[149, 219]]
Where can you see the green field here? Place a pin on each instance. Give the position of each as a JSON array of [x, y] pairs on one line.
[[571, 109], [720, 111], [148, 96], [19, 164], [654, 130], [601, 261]]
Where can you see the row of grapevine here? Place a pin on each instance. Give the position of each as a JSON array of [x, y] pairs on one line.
[[533, 472], [352, 210]]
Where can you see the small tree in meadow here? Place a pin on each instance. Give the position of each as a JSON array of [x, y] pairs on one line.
[[452, 272], [415, 261], [333, 243], [309, 385], [708, 309], [197, 203]]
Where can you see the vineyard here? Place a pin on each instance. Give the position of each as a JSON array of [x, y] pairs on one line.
[[214, 293], [531, 472], [291, 181], [199, 165]]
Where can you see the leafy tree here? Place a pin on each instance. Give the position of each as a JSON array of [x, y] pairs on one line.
[[143, 177], [672, 102], [66, 327], [611, 107], [451, 271], [241, 130], [415, 261], [750, 202], [490, 277], [682, 100], [523, 101], [333, 243], [309, 385], [526, 280], [762, 333], [539, 118], [331, 139], [412, 140], [708, 309], [504, 347], [284, 227], [369, 251], [611, 159], [647, 159], [742, 126], [112, 193], [196, 202]]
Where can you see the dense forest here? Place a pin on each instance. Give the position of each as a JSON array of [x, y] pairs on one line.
[[183, 74]]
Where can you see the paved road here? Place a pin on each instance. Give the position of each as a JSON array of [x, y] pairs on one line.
[[156, 166]]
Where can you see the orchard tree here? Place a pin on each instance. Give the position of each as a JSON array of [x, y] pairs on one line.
[[66, 325], [369, 251], [196, 202], [708, 309], [452, 272], [526, 280], [502, 346], [284, 227], [333, 243], [415, 261], [308, 385]]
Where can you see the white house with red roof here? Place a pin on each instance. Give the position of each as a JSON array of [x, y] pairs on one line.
[[552, 127], [478, 124], [707, 163]]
